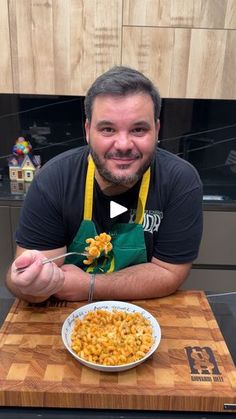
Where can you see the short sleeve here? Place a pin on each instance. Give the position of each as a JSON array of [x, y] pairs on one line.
[[180, 231], [40, 225]]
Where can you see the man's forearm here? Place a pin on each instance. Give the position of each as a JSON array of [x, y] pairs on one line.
[[147, 280]]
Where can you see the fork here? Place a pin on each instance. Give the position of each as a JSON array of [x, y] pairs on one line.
[[19, 270]]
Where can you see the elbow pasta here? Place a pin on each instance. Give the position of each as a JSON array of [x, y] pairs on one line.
[[99, 244], [112, 337]]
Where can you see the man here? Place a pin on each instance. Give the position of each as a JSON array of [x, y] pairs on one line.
[[154, 242]]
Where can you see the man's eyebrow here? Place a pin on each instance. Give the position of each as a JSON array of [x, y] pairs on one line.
[[142, 123], [105, 122], [101, 124]]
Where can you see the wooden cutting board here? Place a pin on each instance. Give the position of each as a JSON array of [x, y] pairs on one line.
[[191, 370]]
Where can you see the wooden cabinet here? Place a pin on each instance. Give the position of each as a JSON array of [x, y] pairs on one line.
[[6, 81], [185, 46], [218, 14], [176, 59], [59, 47]]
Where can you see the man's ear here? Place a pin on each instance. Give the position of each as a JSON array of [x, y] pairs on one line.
[[87, 130]]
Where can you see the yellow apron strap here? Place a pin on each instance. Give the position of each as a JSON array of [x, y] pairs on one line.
[[143, 193], [88, 198]]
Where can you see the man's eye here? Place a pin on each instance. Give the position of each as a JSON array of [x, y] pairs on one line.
[[107, 130], [139, 131]]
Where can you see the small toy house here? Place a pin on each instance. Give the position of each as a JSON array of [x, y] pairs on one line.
[[23, 169], [19, 187]]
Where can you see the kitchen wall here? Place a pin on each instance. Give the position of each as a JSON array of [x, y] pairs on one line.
[[58, 47]]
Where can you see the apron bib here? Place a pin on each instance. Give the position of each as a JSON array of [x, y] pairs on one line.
[[127, 238]]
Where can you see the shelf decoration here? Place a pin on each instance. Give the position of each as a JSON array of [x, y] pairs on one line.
[[23, 165]]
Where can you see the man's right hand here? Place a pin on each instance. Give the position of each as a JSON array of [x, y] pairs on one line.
[[37, 280]]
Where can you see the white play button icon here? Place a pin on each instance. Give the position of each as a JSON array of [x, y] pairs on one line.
[[116, 209]]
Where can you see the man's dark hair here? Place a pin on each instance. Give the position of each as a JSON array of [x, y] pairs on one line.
[[122, 81]]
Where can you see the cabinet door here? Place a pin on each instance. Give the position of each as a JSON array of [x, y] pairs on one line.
[[59, 47], [218, 241], [6, 82], [6, 251], [14, 216], [213, 280]]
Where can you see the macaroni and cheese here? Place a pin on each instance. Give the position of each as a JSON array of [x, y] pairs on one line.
[[111, 337], [98, 245]]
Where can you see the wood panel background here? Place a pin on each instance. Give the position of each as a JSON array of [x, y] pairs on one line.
[[6, 84], [187, 47]]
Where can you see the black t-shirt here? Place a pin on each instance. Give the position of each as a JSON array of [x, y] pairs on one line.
[[53, 207]]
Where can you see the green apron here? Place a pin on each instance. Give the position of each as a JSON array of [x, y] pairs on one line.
[[127, 238]]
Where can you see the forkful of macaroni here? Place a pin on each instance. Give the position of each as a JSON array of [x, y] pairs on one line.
[[48, 260], [97, 246]]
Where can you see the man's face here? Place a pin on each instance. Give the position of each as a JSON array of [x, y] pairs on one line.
[[122, 136]]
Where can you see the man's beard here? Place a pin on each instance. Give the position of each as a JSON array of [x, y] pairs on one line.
[[123, 179]]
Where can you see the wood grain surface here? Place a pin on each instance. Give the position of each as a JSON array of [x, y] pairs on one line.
[[191, 370], [6, 83], [60, 47], [186, 47]]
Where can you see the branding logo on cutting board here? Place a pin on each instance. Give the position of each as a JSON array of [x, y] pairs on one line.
[[203, 365]]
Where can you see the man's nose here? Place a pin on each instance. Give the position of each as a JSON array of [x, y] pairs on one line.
[[123, 141]]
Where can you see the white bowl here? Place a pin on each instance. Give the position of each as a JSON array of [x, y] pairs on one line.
[[68, 326]]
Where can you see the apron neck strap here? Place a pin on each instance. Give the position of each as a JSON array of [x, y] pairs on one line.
[[142, 199], [88, 200]]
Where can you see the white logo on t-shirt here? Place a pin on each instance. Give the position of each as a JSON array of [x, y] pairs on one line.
[[151, 221]]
